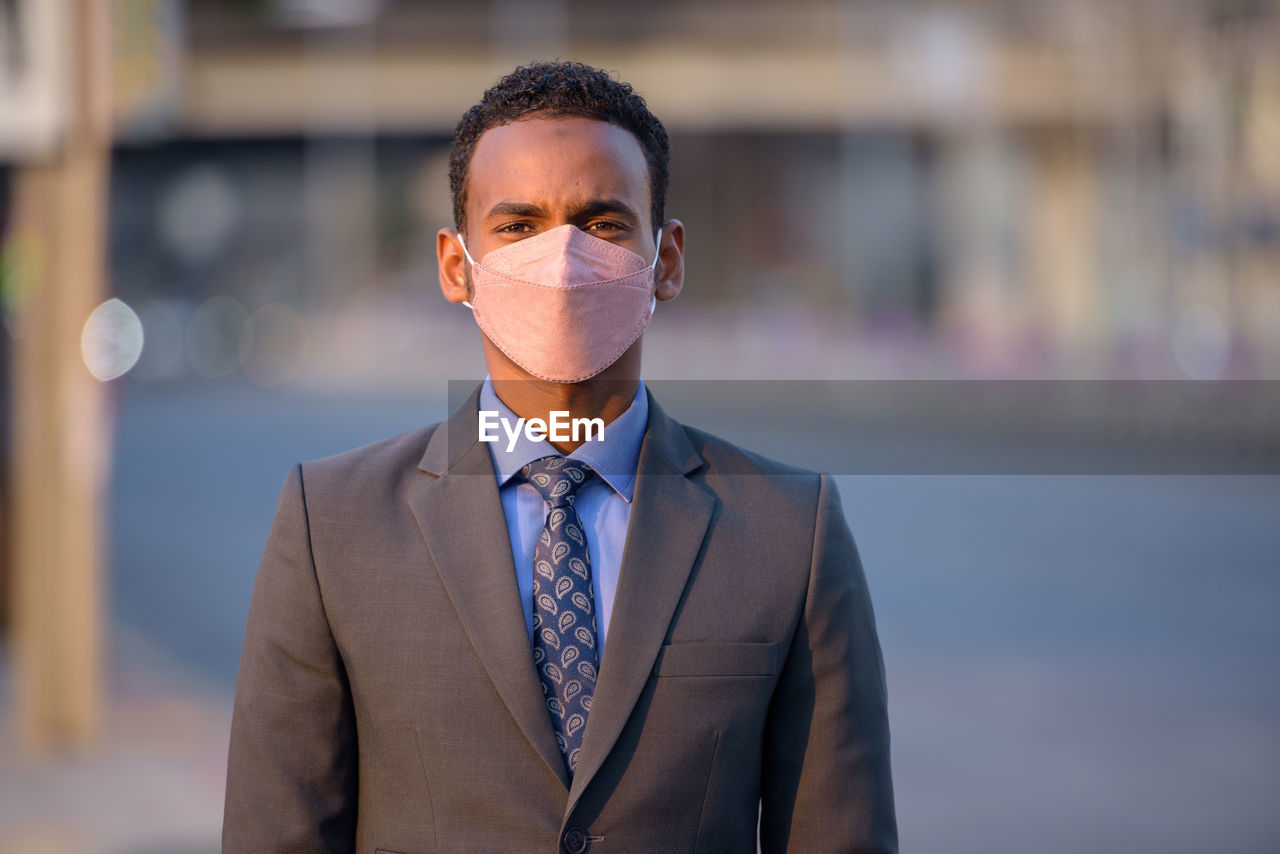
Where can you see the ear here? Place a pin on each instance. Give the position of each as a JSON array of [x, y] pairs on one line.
[[453, 266], [669, 275]]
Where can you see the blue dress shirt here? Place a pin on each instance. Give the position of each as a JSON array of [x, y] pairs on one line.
[[603, 503]]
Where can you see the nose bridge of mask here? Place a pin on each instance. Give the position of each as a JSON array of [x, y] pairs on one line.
[[653, 265]]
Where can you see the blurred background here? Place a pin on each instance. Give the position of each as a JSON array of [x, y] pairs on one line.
[[217, 222]]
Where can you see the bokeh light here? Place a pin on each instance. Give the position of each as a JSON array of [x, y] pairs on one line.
[[111, 340], [162, 357], [198, 213], [213, 336], [1201, 343], [274, 345]]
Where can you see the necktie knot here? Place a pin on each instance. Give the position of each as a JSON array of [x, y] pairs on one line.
[[557, 478]]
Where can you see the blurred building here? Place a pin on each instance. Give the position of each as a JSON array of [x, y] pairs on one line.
[[1090, 187]]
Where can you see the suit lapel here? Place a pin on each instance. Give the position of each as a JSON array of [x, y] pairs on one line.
[[461, 518], [669, 520]]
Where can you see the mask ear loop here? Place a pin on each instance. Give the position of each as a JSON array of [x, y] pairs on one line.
[[653, 300], [463, 243]]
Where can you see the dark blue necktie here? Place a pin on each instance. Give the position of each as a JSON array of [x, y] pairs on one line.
[[564, 613]]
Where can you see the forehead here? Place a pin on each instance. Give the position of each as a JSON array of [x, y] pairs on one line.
[[554, 160]]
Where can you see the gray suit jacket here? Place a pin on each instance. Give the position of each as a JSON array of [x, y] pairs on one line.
[[387, 699]]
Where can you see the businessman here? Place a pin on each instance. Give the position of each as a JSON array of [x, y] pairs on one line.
[[502, 633]]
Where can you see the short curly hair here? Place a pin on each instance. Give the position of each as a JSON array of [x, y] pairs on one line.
[[561, 89]]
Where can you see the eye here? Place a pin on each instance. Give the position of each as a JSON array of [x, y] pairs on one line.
[[515, 228], [605, 227]]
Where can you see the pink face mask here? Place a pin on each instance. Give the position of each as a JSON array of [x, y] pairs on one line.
[[563, 305]]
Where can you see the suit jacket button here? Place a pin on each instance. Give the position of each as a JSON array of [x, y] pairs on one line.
[[575, 841]]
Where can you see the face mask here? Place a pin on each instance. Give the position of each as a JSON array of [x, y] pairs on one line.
[[563, 305]]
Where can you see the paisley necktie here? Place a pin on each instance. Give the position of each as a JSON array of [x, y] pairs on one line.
[[564, 614]]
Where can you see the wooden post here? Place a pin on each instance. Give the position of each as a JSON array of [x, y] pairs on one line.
[[61, 437]]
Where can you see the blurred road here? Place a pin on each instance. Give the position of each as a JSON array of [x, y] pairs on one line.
[[1075, 663]]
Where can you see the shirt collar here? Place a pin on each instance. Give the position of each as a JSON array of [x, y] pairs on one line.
[[614, 456]]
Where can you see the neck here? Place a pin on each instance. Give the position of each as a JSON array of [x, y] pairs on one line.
[[605, 396]]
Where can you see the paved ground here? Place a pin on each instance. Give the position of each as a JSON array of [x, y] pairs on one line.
[[154, 784], [1075, 663]]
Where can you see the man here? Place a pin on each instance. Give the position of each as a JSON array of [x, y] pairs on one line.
[[657, 643]]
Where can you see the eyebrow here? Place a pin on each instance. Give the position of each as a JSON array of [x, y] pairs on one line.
[[515, 209], [590, 208], [597, 207]]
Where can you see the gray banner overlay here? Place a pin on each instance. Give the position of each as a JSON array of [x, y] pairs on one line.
[[970, 427]]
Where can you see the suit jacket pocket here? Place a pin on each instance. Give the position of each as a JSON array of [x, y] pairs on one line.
[[717, 659]]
